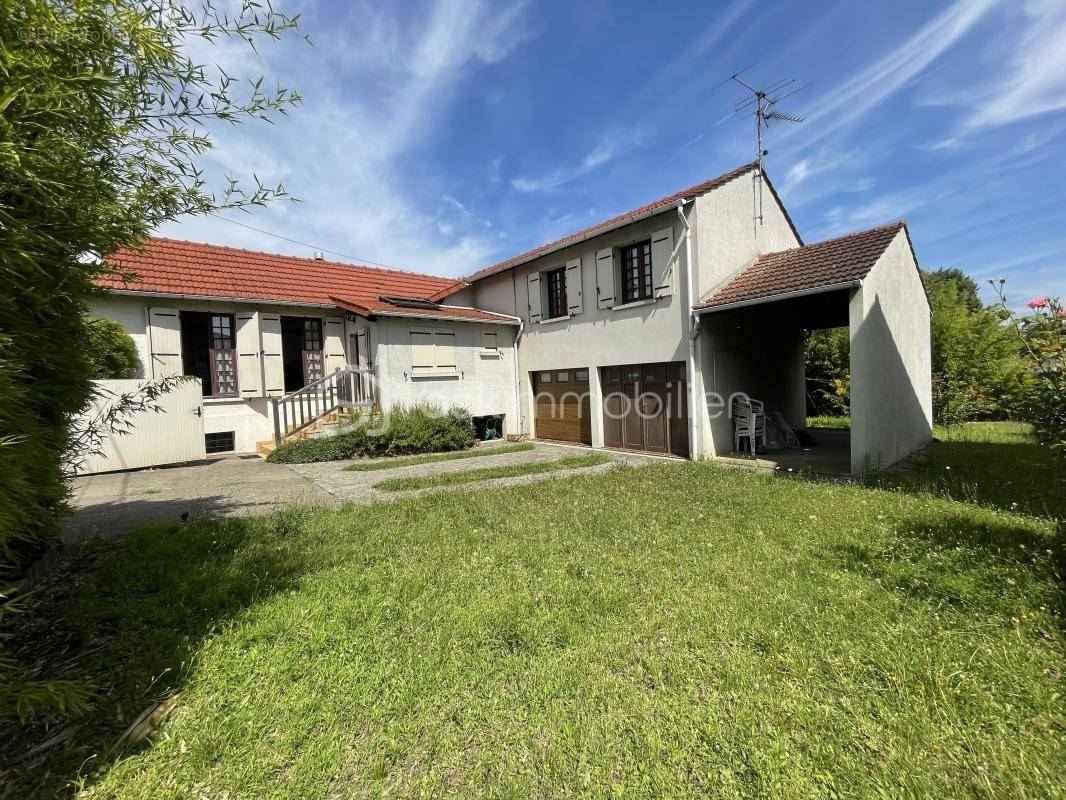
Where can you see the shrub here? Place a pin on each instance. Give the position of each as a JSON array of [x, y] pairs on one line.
[[110, 350], [1042, 335], [402, 431]]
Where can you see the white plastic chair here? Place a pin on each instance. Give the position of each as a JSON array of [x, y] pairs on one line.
[[749, 420]]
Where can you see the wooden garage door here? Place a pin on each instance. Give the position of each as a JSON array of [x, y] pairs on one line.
[[561, 405], [645, 407]]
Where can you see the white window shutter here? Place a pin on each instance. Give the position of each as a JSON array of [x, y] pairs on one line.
[[663, 261], [333, 344], [445, 346], [249, 369], [605, 278], [273, 362], [164, 329], [423, 358], [574, 303], [534, 297]]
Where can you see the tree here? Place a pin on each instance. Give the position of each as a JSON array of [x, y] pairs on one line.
[[977, 372], [103, 117], [828, 371], [1042, 335], [111, 351]]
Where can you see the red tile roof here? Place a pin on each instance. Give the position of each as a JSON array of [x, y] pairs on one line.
[[170, 266], [602, 227], [829, 263]]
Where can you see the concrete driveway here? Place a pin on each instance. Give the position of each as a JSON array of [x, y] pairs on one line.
[[230, 486], [233, 486]]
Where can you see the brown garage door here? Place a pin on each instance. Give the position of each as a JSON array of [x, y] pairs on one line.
[[645, 407], [561, 405]]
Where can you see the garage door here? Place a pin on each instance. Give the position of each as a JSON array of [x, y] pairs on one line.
[[645, 407], [561, 405]]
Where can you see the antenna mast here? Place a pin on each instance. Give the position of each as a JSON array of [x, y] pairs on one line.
[[764, 101]]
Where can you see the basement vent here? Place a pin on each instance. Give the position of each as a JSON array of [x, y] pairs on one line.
[[220, 442]]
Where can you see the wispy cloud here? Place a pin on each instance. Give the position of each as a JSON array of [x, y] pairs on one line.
[[373, 91], [867, 90], [610, 146], [1035, 80]]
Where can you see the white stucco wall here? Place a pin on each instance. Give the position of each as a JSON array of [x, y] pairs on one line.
[[891, 369], [250, 418], [728, 238], [653, 331], [484, 383]]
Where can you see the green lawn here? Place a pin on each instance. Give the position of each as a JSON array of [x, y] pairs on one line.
[[489, 473], [432, 458], [671, 630], [834, 423]]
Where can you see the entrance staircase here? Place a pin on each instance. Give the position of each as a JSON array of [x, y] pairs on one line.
[[316, 409]]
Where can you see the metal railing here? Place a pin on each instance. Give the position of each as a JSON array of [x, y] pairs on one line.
[[343, 389]]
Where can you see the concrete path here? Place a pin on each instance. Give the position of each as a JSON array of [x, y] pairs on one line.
[[358, 487], [230, 486], [246, 485]]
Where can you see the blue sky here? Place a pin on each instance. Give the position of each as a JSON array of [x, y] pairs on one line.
[[442, 136]]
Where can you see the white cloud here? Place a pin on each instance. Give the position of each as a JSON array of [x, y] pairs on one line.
[[373, 91], [609, 147], [882, 79], [1035, 82]]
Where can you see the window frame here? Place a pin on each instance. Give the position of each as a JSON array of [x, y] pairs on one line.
[[555, 305], [439, 346], [490, 343], [643, 272], [204, 330]]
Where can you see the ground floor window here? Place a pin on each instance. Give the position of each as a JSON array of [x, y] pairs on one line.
[[208, 350]]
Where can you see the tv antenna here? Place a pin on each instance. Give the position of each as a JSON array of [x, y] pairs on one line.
[[763, 106]]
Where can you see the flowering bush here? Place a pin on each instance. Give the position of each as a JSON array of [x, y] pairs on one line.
[[1043, 337]]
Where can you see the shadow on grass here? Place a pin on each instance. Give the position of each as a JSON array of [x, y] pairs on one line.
[[970, 564], [1017, 477], [129, 616]]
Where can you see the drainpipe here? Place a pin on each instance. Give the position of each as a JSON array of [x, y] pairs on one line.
[[518, 381], [693, 331]]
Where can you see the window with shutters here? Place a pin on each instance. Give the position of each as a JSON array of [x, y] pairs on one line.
[[555, 281], [636, 272], [432, 353], [209, 351]]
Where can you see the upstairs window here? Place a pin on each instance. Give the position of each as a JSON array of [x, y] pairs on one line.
[[209, 351], [555, 281], [636, 272]]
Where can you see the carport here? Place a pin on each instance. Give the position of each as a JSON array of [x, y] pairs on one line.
[[751, 333]]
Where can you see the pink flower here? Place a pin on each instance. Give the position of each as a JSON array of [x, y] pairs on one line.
[[1037, 302]]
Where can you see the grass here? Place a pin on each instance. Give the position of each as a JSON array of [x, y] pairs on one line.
[[672, 630], [995, 464], [488, 473], [432, 458], [835, 423]]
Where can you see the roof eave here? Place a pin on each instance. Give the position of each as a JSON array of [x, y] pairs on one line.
[[584, 238], [218, 298], [832, 287]]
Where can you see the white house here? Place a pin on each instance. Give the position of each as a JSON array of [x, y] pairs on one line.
[[633, 333]]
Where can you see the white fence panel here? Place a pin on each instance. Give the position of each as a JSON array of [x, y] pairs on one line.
[[172, 435]]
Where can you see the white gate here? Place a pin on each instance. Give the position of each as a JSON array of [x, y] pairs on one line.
[[173, 435]]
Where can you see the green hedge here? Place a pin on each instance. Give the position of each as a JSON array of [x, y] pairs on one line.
[[403, 431]]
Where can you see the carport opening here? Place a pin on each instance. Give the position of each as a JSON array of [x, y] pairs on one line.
[[759, 351]]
